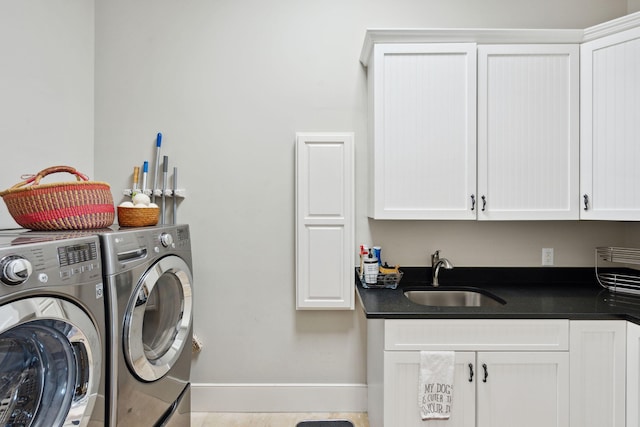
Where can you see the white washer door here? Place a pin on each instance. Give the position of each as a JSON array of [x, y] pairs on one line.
[[50, 362], [158, 318]]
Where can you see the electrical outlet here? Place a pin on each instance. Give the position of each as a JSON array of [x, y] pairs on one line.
[[547, 256]]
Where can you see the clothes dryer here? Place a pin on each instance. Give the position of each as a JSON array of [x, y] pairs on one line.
[[52, 331], [149, 283]]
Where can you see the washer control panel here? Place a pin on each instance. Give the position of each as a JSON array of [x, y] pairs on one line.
[[50, 261]]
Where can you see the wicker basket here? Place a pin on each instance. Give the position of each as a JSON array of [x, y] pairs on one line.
[[78, 205], [137, 217]]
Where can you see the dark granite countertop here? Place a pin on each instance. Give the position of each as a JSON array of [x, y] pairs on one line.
[[534, 293]]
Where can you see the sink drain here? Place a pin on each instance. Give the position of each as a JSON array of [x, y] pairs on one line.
[[325, 423]]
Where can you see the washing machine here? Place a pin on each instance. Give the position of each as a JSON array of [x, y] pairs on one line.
[[149, 282], [52, 331]]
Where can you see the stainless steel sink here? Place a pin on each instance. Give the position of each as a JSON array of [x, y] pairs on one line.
[[438, 297]]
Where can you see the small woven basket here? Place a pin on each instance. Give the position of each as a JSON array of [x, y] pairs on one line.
[[137, 217], [78, 205]]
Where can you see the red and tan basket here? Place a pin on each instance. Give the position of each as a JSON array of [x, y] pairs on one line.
[[78, 205]]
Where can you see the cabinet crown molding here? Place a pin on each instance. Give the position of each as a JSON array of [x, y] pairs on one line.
[[623, 23], [471, 35], [493, 35]]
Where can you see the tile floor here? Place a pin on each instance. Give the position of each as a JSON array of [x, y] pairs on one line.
[[229, 419]]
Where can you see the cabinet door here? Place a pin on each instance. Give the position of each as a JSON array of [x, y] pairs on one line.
[[422, 122], [610, 129], [324, 221], [528, 132], [524, 389], [401, 370], [633, 375], [598, 367]]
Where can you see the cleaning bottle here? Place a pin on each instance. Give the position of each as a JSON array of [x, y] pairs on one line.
[[371, 269]]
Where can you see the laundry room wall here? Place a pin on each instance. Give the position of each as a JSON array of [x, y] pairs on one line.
[[46, 89], [229, 83]]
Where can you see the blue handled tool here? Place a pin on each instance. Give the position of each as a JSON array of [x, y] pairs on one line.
[[145, 170], [155, 174]]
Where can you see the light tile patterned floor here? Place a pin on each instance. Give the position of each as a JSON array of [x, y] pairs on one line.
[[229, 419]]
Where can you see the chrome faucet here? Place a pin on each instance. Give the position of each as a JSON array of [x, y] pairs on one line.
[[436, 263]]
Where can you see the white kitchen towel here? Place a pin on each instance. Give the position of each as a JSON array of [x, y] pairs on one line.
[[436, 384]]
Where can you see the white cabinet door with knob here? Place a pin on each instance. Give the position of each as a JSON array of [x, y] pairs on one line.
[[524, 389], [610, 128], [528, 132], [401, 391], [598, 373], [633, 375], [422, 129]]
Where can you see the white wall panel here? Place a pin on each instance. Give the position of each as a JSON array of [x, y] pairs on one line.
[[324, 221], [326, 265], [326, 180]]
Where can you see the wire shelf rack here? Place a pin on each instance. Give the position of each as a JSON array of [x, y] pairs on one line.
[[617, 269]]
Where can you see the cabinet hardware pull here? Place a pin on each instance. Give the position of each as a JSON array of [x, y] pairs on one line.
[[470, 372], [484, 203], [486, 373], [473, 202], [586, 202]]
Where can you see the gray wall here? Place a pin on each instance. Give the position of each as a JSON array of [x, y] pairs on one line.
[[46, 89], [229, 83]]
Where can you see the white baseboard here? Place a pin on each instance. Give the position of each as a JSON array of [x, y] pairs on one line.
[[278, 397]]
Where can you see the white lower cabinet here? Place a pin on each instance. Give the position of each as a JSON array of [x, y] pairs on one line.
[[633, 375], [539, 373], [524, 389], [598, 373], [508, 372]]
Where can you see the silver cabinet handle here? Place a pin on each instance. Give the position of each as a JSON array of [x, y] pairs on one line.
[[470, 372], [586, 202], [473, 202], [486, 373], [484, 203]]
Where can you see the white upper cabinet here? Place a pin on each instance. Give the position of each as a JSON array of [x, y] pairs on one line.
[[557, 135], [610, 127], [528, 132], [422, 129]]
